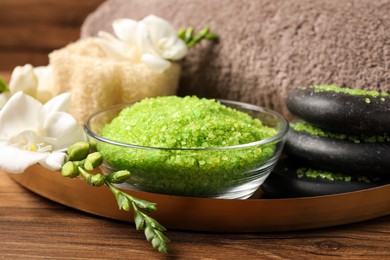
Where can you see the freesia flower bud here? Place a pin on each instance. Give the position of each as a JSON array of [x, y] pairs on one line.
[[78, 151], [70, 169], [119, 176], [93, 160], [96, 180]]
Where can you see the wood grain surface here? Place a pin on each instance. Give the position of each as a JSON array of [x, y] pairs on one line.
[[31, 29], [33, 227]]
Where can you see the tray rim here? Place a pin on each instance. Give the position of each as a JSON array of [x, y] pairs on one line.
[[216, 215]]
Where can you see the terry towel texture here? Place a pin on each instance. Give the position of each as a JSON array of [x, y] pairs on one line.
[[268, 47]]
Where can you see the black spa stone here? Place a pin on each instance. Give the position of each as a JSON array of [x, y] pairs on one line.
[[338, 155], [284, 182], [336, 109]]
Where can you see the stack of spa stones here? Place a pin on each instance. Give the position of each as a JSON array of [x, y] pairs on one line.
[[341, 142]]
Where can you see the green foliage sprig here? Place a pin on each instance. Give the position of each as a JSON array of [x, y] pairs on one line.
[[191, 38], [82, 160]]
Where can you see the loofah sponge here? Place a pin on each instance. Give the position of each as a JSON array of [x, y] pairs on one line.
[[97, 82]]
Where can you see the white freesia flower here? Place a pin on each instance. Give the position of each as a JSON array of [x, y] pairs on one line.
[[33, 133], [36, 82], [152, 40]]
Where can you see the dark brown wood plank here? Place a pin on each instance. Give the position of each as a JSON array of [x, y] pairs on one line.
[[33, 227], [37, 37], [70, 12], [5, 75], [35, 28], [10, 59]]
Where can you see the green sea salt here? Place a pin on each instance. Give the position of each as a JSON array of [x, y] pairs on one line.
[[350, 91], [181, 124], [332, 176], [303, 126]]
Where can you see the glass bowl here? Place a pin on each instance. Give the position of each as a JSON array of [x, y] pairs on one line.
[[231, 172]]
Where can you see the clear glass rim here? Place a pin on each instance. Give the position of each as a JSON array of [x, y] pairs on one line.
[[278, 136]]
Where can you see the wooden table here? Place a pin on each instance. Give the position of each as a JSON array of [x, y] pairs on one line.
[[33, 227]]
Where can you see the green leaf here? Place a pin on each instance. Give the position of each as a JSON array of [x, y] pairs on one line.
[[154, 223], [157, 226], [149, 233], [152, 229], [159, 241], [145, 205], [162, 236], [3, 86], [123, 201], [138, 220]]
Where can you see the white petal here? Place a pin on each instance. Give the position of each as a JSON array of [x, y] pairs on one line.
[[24, 79], [45, 89], [70, 137], [57, 123], [144, 42], [54, 161], [115, 48], [15, 160], [64, 129], [59, 103], [162, 39], [155, 63], [125, 29], [175, 52], [4, 98], [158, 28], [20, 113]]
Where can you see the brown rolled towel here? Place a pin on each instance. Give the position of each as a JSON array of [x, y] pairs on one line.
[[268, 47]]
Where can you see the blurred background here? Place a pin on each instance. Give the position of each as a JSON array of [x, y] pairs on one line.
[[31, 29]]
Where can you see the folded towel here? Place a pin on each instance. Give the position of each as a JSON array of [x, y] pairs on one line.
[[268, 47]]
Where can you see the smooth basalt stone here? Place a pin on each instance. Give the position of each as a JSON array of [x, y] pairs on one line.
[[283, 182], [338, 155], [341, 112]]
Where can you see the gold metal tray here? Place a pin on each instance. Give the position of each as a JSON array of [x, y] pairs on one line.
[[203, 214]]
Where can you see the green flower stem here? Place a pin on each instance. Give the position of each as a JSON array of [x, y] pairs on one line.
[[142, 204], [152, 229], [153, 232], [92, 179], [82, 160]]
